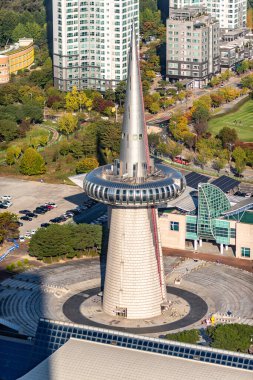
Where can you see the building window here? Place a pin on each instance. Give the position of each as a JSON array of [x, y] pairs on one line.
[[223, 232], [245, 252], [190, 227], [174, 226], [233, 233]]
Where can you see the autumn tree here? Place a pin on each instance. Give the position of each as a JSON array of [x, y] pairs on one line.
[[12, 154], [8, 226], [86, 165], [32, 163], [67, 124], [77, 100]]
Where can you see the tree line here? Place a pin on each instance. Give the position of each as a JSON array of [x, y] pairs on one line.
[[66, 241]]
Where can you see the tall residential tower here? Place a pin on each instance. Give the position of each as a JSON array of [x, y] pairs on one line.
[[91, 41], [133, 187]]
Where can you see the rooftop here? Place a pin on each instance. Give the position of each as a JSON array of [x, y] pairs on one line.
[[22, 44], [108, 362], [243, 217]]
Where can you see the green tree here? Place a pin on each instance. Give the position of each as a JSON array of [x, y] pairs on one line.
[[239, 156], [12, 154], [32, 163], [228, 136], [20, 31], [219, 164], [174, 148], [8, 226], [67, 240], [33, 111], [67, 124], [232, 337], [247, 82], [86, 165], [8, 130]]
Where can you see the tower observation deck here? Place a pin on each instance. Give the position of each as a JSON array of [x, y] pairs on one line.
[[132, 188]]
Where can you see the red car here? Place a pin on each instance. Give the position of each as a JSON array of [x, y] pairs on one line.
[[49, 207], [181, 160]]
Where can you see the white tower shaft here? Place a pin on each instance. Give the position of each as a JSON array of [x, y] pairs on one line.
[[133, 286]]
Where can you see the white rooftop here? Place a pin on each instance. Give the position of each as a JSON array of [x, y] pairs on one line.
[[78, 179], [81, 360]]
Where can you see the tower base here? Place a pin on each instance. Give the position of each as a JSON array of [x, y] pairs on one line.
[[134, 283]]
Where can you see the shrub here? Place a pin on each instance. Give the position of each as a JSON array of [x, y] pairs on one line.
[[188, 336]]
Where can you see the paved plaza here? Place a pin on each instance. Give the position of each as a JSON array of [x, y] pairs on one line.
[[44, 292]]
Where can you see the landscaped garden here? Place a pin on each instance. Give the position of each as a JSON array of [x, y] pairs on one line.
[[241, 120]]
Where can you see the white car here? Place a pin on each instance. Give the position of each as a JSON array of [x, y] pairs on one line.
[[33, 231], [21, 239], [54, 205], [7, 203], [6, 197]]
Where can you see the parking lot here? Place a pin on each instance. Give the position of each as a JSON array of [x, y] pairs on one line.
[[30, 194]]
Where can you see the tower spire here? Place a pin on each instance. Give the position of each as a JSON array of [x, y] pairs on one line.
[[134, 155]]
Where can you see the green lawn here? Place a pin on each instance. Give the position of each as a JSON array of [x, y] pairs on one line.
[[244, 125]]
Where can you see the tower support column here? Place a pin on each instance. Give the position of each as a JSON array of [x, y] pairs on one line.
[[134, 288]]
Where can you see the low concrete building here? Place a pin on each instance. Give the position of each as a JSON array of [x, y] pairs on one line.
[[121, 356], [15, 58], [192, 46], [213, 220], [235, 47]]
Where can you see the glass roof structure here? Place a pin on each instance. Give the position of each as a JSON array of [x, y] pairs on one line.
[[51, 335], [212, 203]]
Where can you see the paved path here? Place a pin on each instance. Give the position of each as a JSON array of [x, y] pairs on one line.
[[231, 261], [198, 310]]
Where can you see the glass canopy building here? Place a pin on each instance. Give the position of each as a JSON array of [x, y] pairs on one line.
[[213, 220], [91, 42]]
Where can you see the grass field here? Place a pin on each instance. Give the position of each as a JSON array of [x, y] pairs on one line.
[[241, 120]]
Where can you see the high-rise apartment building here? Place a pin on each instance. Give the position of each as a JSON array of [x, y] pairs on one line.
[[192, 46], [91, 42], [231, 14]]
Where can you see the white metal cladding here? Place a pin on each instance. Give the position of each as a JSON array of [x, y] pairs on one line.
[[122, 193]]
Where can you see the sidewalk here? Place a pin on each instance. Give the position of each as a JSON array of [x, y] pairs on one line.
[[230, 261]]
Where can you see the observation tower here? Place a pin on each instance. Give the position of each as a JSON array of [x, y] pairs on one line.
[[132, 188]]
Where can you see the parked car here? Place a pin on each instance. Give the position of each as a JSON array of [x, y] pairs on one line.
[[7, 203], [25, 217], [33, 232], [70, 213], [21, 239], [55, 220], [44, 225], [39, 211], [6, 197], [51, 204], [2, 205], [19, 223], [67, 216], [24, 211], [32, 215], [75, 211], [49, 207]]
